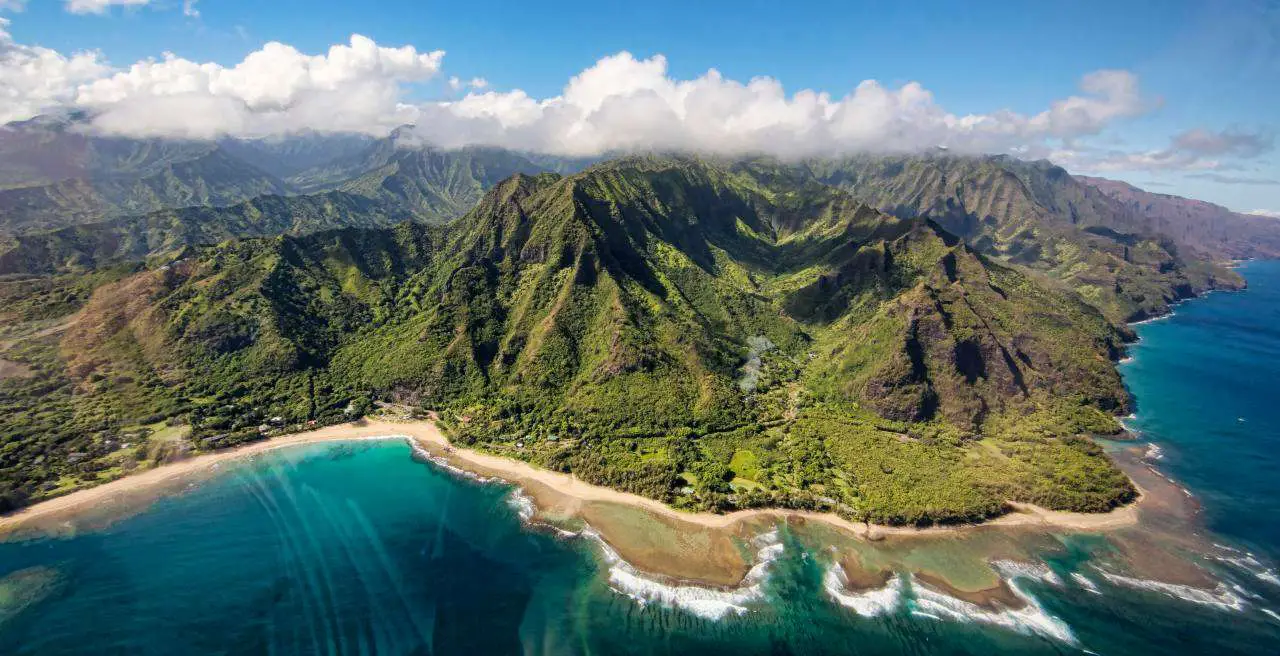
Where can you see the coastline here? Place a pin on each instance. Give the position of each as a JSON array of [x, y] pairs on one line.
[[540, 484], [560, 497]]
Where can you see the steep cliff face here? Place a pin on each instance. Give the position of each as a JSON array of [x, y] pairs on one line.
[[1209, 229]]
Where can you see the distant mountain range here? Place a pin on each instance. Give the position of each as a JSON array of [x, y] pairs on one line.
[[1131, 264], [1204, 227], [53, 175]]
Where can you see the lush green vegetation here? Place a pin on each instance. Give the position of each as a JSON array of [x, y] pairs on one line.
[[712, 336], [1126, 263]]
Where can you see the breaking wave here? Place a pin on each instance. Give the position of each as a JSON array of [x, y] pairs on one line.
[[1012, 569], [1249, 563], [625, 579], [1160, 317], [868, 603], [1126, 422], [1031, 618], [1085, 582], [1221, 597], [444, 464], [522, 504], [708, 603]]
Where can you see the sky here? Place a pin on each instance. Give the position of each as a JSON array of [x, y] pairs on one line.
[[1173, 96]]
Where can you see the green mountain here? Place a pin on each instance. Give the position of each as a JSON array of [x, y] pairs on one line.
[[213, 178], [422, 184], [1037, 215], [288, 156], [58, 176], [49, 149], [166, 232], [436, 185], [713, 337]]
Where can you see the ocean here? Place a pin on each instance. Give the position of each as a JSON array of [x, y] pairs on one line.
[[368, 547]]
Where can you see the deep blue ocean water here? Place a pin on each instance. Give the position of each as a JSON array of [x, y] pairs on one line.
[[363, 548], [1206, 380]]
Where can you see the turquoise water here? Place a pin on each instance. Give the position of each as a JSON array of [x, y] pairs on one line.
[[364, 548]]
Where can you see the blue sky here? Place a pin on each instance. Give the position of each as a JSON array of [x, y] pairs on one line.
[[1211, 67]]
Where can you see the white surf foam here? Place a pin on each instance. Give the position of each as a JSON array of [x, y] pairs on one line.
[[1012, 569], [1271, 613], [1221, 597], [1153, 452], [1247, 562], [522, 504], [1031, 618], [1154, 319], [1169, 480], [868, 603], [920, 613], [709, 603], [444, 464], [1084, 582]]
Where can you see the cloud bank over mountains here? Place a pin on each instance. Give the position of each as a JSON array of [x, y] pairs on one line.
[[625, 103], [356, 87], [620, 103]]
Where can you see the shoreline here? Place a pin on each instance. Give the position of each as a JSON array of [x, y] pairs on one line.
[[426, 434]]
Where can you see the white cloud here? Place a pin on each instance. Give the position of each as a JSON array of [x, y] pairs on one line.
[[189, 9], [457, 84], [1273, 214], [13, 5], [619, 103], [624, 103], [100, 6], [274, 90], [35, 79]]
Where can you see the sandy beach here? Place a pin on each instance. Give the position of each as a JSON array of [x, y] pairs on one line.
[[539, 483]]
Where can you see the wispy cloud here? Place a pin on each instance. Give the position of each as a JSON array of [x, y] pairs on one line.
[[1206, 143], [1198, 149], [1234, 179], [457, 84], [100, 6]]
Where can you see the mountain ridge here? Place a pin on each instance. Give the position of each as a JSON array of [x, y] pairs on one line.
[[605, 323], [1219, 231]]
